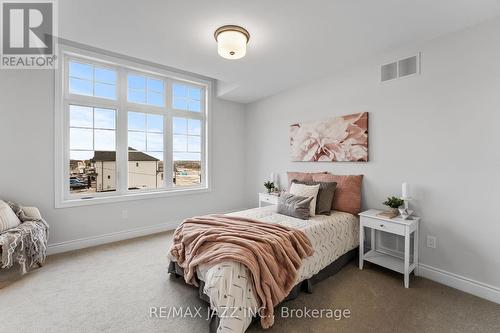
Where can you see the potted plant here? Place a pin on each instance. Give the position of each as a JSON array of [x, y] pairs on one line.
[[394, 203], [269, 186]]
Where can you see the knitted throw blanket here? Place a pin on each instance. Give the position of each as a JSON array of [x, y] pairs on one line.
[[26, 243]]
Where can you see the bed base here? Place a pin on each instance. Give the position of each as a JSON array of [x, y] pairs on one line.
[[306, 286]]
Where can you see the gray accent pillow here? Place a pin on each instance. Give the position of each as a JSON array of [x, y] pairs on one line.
[[294, 206], [325, 195]]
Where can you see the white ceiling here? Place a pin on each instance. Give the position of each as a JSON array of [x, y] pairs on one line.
[[291, 41]]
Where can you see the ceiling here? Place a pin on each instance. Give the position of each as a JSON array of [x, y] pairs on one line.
[[291, 41]]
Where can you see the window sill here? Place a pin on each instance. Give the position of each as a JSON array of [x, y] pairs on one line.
[[129, 197]]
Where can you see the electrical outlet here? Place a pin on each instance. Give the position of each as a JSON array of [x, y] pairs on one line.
[[431, 242], [124, 214]]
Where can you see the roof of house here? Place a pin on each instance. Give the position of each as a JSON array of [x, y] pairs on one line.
[[133, 155]]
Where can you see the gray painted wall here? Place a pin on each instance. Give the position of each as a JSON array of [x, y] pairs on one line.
[[437, 131], [27, 162]]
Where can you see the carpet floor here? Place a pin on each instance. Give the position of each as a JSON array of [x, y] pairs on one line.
[[111, 288]]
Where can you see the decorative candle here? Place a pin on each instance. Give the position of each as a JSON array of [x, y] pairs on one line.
[[406, 190], [272, 177]]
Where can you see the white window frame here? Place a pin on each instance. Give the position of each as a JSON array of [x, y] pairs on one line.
[[124, 66]]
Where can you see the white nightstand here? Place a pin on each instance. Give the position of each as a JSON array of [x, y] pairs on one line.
[[268, 198], [396, 226]]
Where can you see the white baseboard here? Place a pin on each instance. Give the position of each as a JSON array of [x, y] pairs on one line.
[[115, 236], [462, 283], [109, 238]]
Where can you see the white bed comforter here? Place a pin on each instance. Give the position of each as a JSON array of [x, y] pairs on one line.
[[229, 284]]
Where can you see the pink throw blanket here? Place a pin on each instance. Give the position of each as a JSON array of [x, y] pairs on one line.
[[272, 253]]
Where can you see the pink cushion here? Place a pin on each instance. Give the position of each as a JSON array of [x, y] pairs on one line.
[[302, 176], [347, 197]]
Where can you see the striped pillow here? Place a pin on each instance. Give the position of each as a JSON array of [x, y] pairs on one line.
[[8, 218]]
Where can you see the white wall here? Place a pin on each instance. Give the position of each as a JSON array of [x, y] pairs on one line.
[[438, 131], [27, 164]]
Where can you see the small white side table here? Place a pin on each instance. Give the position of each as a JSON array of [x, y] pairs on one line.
[[396, 226], [268, 198]]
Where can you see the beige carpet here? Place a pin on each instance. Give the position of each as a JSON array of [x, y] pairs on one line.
[[111, 289]]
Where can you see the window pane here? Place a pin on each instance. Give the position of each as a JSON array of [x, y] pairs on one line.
[[80, 116], [81, 87], [187, 169], [137, 121], [145, 157], [194, 106], [104, 118], [105, 90], [155, 123], [79, 70], [87, 79], [180, 125], [186, 151], [146, 90], [136, 96], [194, 144], [195, 93], [154, 142], [92, 155], [104, 140], [180, 90], [180, 143], [180, 103], [194, 127], [186, 97], [136, 82], [81, 138], [156, 85], [137, 140], [155, 98], [105, 75]]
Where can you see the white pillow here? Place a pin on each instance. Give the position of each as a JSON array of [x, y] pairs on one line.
[[306, 191], [8, 218]]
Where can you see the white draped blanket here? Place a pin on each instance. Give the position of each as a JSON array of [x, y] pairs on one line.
[[25, 244]]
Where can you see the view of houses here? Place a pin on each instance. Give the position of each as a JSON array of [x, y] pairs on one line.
[[144, 172]]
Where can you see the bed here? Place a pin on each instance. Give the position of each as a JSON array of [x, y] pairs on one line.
[[228, 286]]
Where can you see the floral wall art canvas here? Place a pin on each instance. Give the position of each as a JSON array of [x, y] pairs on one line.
[[340, 139]]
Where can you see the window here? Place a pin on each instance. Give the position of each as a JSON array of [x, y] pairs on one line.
[[186, 151], [186, 97], [129, 129], [145, 90], [92, 133], [145, 144], [90, 80]]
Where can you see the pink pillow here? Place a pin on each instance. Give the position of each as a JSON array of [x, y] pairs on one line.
[[302, 176], [347, 197]]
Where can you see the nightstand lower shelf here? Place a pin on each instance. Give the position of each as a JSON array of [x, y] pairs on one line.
[[386, 260]]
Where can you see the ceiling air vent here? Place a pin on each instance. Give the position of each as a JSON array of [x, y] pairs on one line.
[[400, 68]]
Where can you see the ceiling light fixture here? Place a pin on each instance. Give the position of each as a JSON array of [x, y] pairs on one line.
[[232, 41]]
